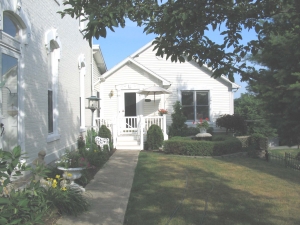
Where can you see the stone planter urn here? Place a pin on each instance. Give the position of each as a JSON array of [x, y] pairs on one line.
[[202, 130], [72, 174]]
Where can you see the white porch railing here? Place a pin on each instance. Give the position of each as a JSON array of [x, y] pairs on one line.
[[137, 125], [127, 125]]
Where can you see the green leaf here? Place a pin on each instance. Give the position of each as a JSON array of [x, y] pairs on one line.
[[3, 220], [4, 201]]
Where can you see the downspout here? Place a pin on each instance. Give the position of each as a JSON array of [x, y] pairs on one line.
[[92, 68], [92, 71]]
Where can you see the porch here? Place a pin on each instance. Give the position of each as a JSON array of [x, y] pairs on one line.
[[130, 132]]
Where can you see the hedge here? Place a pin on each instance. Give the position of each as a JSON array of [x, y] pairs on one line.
[[180, 146]]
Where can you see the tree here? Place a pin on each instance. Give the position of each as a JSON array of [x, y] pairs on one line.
[[278, 81], [178, 126], [181, 24], [252, 110]]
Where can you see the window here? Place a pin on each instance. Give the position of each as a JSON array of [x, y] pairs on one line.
[[9, 26], [53, 49], [50, 111], [195, 104]]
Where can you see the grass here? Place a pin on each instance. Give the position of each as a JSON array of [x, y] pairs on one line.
[[293, 151], [176, 190]]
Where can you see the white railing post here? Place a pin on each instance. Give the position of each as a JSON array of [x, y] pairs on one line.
[[165, 127], [115, 131], [141, 130]]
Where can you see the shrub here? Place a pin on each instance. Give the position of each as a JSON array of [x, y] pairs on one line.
[[188, 147], [191, 131], [210, 130], [218, 146], [69, 201], [178, 126], [155, 137], [233, 123], [258, 141], [90, 138], [228, 146], [26, 206]]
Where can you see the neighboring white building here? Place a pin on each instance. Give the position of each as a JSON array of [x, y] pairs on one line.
[[47, 72], [123, 106]]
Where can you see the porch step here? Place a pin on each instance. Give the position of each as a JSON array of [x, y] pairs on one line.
[[127, 142]]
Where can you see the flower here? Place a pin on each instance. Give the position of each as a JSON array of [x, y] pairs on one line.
[[163, 111], [202, 124], [72, 159], [54, 183]]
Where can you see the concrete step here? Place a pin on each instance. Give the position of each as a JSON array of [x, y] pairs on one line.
[[127, 147], [128, 143], [127, 138]]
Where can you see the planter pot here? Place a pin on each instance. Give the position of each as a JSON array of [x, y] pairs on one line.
[[202, 130], [72, 174]]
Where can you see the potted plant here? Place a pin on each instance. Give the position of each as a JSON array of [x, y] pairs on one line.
[[162, 111], [72, 163], [203, 125]]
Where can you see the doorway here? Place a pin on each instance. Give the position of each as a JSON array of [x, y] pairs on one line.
[[130, 109], [130, 104]]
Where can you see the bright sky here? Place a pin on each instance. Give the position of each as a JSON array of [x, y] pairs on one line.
[[124, 41]]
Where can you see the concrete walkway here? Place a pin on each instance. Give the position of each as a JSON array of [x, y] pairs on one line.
[[108, 192]]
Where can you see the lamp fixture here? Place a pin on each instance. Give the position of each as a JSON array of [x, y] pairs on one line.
[[111, 93]]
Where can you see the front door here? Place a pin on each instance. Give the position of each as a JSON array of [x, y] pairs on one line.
[[130, 104], [130, 110]]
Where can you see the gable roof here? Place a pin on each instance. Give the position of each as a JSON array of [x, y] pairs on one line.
[[148, 45], [131, 60]]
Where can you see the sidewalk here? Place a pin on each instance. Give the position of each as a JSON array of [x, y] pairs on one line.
[[108, 192]]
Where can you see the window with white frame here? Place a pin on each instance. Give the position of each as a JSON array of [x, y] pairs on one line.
[[195, 104], [9, 76], [53, 60], [10, 25]]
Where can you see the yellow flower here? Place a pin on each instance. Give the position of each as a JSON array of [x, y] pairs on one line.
[[57, 176], [63, 189], [69, 174], [54, 183]]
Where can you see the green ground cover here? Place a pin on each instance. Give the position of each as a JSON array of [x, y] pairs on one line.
[[178, 190]]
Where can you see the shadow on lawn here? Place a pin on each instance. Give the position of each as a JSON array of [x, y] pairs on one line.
[[262, 166], [162, 182]]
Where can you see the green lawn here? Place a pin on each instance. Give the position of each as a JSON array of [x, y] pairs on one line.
[[176, 190], [293, 151]]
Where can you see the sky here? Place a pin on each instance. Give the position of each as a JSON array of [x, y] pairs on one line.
[[123, 42]]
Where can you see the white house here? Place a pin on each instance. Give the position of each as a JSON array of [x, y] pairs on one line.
[[131, 112], [47, 71]]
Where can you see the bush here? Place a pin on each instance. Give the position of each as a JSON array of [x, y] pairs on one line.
[[26, 206], [178, 126], [188, 147], [258, 141], [155, 137], [191, 131], [219, 146], [233, 123], [90, 138], [210, 130]]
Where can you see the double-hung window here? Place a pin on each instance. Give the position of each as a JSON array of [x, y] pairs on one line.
[[195, 104]]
